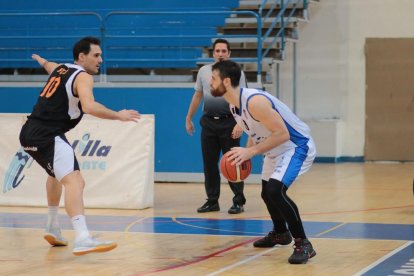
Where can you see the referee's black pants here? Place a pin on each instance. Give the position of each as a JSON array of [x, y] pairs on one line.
[[216, 138]]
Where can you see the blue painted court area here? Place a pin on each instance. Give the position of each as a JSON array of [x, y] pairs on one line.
[[226, 227], [373, 231], [201, 226], [398, 262]]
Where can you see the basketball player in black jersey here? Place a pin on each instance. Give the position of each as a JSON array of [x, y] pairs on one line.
[[67, 95]]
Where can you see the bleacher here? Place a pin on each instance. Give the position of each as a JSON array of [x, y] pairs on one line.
[[136, 34], [146, 37], [157, 39]]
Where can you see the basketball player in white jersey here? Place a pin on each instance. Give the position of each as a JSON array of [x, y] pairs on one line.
[[277, 133], [67, 95]]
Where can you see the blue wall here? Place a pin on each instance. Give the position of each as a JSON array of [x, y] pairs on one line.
[[175, 150]]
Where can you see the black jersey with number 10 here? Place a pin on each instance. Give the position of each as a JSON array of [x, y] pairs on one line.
[[57, 105]]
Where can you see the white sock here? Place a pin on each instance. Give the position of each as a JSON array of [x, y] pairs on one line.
[[52, 218], [79, 225]]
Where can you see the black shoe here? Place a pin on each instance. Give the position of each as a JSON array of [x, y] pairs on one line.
[[209, 207], [302, 252], [274, 238], [236, 209]]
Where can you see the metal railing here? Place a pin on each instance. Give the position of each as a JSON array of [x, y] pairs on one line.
[[284, 4]]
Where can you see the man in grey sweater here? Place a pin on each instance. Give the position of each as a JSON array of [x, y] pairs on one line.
[[219, 133]]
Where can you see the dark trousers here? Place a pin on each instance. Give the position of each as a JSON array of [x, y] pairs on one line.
[[216, 138]]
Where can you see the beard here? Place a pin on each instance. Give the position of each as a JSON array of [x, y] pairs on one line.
[[219, 91]]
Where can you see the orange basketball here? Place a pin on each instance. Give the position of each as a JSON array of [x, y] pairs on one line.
[[234, 173]]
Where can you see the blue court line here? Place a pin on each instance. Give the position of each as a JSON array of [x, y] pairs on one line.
[[202, 226]]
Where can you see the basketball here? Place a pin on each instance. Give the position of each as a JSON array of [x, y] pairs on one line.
[[234, 173]]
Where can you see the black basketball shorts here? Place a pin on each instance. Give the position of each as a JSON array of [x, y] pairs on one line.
[[50, 150]]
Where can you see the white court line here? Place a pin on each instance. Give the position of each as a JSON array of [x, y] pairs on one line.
[[383, 258], [242, 262]]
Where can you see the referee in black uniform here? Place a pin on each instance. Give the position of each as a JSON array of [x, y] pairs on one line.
[[218, 135]]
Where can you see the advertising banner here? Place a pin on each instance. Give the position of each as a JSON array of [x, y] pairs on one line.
[[116, 160]]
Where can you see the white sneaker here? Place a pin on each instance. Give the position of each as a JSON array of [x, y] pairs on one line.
[[54, 237], [91, 245]]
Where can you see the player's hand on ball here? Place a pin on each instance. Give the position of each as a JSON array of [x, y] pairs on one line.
[[234, 173], [239, 155]]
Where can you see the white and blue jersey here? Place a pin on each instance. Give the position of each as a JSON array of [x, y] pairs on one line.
[[288, 160]]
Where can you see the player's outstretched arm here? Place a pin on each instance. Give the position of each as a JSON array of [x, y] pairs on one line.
[[84, 87], [49, 66]]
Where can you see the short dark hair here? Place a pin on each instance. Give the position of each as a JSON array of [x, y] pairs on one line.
[[221, 40], [228, 69], [84, 46]]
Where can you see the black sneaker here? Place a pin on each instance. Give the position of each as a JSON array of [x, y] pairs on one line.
[[302, 252], [274, 238], [209, 207], [236, 209]]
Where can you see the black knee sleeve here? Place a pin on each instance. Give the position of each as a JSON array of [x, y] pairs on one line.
[[275, 190], [264, 183]]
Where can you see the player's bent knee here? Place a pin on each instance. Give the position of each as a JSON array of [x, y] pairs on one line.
[[73, 177], [275, 189]]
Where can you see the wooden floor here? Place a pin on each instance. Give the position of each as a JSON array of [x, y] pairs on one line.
[[356, 215]]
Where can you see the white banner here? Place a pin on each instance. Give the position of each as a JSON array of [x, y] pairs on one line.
[[115, 158]]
